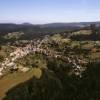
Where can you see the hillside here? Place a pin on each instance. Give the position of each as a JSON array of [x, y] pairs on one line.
[[58, 66]]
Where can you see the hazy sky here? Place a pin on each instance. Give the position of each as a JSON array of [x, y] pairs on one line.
[[47, 11]]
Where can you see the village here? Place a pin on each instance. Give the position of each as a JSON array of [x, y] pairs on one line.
[[37, 46]]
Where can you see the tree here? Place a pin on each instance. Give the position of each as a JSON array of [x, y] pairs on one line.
[[93, 28], [1, 58]]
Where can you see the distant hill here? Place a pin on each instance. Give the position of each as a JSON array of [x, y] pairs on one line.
[[33, 30], [10, 27], [78, 24], [6, 27]]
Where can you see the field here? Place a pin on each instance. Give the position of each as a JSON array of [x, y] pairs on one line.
[[11, 80]]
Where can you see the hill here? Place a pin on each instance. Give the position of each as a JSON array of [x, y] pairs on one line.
[[6, 27]]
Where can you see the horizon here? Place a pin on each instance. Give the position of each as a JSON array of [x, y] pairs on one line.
[[48, 23], [52, 11]]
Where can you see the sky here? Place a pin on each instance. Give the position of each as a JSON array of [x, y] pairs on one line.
[[49, 11]]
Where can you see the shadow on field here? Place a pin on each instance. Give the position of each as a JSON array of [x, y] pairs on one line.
[[53, 87]]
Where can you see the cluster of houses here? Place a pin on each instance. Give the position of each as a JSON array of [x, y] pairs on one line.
[[37, 47]]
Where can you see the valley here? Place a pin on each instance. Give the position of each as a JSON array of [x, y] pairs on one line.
[[65, 60]]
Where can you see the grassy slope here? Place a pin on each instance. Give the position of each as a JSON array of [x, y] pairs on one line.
[[11, 80]]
